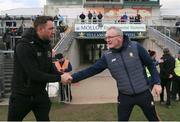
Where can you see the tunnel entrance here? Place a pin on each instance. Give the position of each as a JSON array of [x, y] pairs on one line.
[[90, 50]]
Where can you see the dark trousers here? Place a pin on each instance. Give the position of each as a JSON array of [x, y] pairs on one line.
[[143, 100], [177, 31], [65, 92], [175, 87], [166, 83], [1, 88], [21, 105]]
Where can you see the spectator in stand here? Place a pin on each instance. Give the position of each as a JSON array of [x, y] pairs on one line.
[[176, 79], [131, 19], [90, 17], [166, 74], [82, 17], [177, 27], [125, 17], [7, 38], [60, 19], [94, 17], [100, 16], [55, 20], [138, 18]]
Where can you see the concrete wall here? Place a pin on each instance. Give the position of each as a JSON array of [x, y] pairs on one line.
[[74, 55], [150, 44], [155, 16]]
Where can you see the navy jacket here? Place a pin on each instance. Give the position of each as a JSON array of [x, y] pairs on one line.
[[101, 65]]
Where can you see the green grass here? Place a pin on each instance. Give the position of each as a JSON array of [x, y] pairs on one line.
[[99, 112]]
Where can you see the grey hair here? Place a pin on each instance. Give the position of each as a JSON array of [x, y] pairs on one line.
[[117, 29]]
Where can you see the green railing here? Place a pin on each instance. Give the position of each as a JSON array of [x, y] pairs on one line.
[[141, 3], [103, 2]]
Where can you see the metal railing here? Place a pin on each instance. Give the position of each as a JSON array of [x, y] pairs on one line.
[[163, 40], [6, 71], [64, 44]]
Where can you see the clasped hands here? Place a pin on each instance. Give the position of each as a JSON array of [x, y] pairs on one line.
[[66, 78]]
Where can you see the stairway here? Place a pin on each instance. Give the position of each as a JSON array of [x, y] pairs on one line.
[[6, 72]]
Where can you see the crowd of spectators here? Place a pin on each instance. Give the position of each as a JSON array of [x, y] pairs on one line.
[[92, 17], [131, 19]]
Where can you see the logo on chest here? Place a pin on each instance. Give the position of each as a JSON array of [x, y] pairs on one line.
[[39, 54], [49, 54], [113, 60]]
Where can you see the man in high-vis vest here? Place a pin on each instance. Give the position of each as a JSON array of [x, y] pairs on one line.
[[63, 65], [176, 80]]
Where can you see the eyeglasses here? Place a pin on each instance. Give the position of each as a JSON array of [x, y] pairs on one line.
[[110, 37]]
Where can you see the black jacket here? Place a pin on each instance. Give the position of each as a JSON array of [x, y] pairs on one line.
[[167, 66], [32, 65]]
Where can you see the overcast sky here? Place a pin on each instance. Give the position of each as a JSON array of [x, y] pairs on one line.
[[10, 4]]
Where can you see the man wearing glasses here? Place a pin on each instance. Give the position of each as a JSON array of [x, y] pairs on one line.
[[126, 60]]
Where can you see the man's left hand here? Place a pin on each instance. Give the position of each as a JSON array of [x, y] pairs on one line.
[[157, 89]]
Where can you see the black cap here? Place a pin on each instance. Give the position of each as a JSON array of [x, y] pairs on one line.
[[166, 50]]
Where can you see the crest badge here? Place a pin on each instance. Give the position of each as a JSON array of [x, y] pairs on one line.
[[131, 54], [49, 54]]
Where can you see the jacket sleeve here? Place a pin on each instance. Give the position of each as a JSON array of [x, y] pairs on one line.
[[147, 61], [171, 64], [26, 57], [96, 68]]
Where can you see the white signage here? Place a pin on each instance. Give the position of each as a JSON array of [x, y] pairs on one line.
[[104, 27]]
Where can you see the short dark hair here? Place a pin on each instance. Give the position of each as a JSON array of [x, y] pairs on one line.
[[40, 20], [152, 52], [59, 56], [166, 50]]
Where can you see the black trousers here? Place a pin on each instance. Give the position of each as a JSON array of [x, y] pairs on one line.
[[1, 88], [175, 87], [21, 105], [65, 92], [143, 100], [166, 83]]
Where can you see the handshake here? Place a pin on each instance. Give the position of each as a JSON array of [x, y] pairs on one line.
[[66, 78]]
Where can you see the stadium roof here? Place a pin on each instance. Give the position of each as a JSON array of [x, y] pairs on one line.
[[171, 13], [23, 11]]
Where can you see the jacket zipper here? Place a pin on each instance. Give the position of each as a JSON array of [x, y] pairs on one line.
[[127, 74]]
